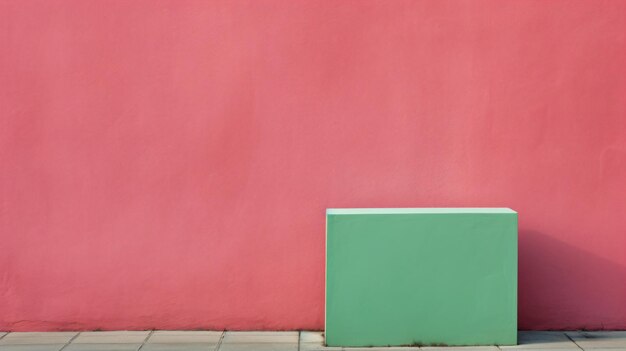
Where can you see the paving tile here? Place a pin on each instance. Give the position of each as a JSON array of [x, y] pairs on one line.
[[21, 334], [179, 337], [102, 347], [260, 337], [33, 338], [600, 339], [405, 348], [271, 333], [541, 340], [32, 347], [113, 337], [317, 346], [116, 333], [188, 332], [263, 346], [460, 348], [311, 336], [179, 347]]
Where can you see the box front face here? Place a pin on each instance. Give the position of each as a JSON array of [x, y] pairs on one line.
[[421, 279]]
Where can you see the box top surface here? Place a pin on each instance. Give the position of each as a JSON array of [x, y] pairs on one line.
[[422, 210]]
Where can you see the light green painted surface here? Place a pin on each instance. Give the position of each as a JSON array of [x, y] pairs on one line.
[[421, 276], [433, 210]]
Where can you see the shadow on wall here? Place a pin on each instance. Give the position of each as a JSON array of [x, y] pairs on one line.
[[560, 284]]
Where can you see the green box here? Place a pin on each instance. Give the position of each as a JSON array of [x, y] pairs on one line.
[[421, 276]]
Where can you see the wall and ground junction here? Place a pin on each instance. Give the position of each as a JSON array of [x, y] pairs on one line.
[[167, 164]]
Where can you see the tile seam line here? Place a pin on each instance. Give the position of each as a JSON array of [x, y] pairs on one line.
[[219, 342], [299, 337], [572, 340], [70, 341], [3, 335], [146, 339]]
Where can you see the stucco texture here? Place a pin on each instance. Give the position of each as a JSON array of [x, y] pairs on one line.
[[167, 164]]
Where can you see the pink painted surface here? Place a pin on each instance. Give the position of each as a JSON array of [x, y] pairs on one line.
[[166, 164]]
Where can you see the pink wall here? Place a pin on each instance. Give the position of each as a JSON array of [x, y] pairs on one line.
[[166, 164]]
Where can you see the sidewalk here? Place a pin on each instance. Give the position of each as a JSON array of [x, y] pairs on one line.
[[274, 341]]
